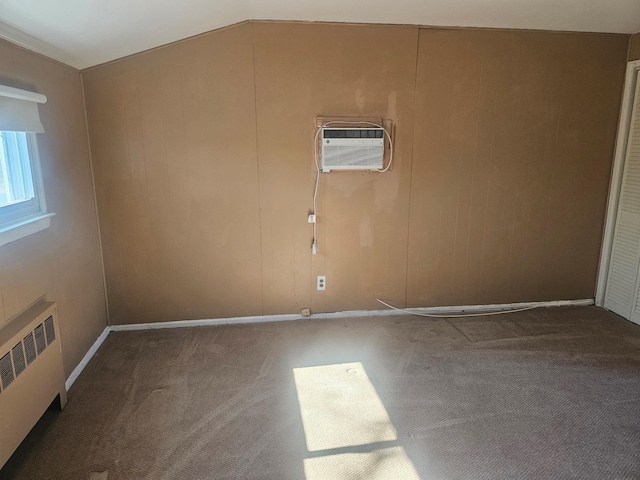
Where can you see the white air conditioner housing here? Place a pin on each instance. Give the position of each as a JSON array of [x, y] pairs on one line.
[[352, 148]]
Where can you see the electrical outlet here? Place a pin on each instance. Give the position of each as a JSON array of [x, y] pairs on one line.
[[322, 282], [305, 312]]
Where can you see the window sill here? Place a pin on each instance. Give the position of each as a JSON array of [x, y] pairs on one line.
[[24, 227]]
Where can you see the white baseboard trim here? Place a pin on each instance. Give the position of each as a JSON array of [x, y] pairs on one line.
[[347, 314], [85, 360], [318, 316]]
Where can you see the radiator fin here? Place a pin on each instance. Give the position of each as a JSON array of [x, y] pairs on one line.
[[19, 364], [29, 348], [49, 331], [41, 344], [6, 371]]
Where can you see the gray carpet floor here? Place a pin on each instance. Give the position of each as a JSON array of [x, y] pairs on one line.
[[544, 394]]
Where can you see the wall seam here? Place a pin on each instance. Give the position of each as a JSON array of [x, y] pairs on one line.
[[413, 142], [555, 159], [255, 103], [95, 200]]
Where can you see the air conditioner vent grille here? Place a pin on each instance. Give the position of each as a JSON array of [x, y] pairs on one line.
[[352, 149]]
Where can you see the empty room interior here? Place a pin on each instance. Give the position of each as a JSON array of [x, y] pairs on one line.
[[305, 240]]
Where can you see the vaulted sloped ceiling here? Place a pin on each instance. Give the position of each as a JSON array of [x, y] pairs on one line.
[[83, 33]]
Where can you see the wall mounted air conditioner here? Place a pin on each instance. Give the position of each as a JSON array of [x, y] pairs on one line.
[[352, 148]]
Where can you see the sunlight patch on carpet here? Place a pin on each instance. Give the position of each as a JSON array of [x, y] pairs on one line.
[[383, 464], [340, 407]]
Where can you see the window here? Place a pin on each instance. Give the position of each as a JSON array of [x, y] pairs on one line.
[[18, 197], [23, 210]]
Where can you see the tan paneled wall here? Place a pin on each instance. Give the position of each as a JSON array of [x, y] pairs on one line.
[[204, 168], [634, 47], [173, 137], [308, 70], [62, 262], [512, 153]]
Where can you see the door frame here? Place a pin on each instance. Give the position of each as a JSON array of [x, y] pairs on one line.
[[616, 179]]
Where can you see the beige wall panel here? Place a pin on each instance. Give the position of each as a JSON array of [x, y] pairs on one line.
[[309, 70], [62, 262], [589, 112], [545, 71], [513, 144], [634, 47], [174, 148]]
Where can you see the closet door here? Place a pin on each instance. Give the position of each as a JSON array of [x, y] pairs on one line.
[[621, 294]]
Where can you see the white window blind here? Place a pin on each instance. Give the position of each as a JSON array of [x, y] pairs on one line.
[[19, 110]]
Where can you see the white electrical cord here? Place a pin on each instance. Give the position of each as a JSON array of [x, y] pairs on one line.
[[463, 315], [314, 245]]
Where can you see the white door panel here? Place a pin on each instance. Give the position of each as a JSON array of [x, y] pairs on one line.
[[621, 294]]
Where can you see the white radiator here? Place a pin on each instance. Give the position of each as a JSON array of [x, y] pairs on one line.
[[31, 373]]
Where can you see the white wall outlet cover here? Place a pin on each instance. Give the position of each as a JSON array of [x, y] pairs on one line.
[[322, 282]]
